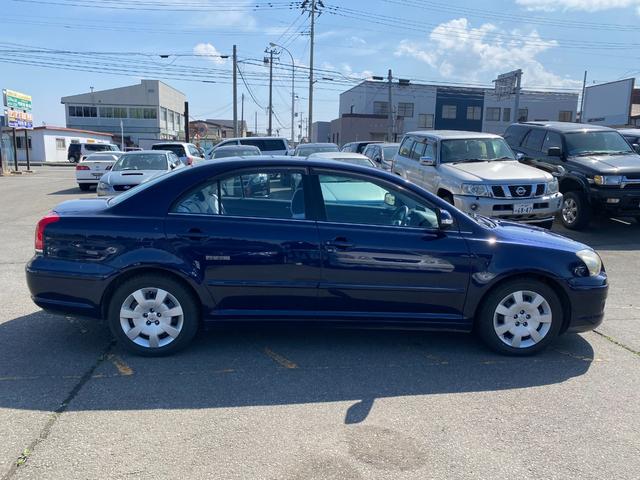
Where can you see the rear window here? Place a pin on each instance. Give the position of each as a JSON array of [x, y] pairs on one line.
[[141, 161], [97, 147], [265, 145], [515, 134], [175, 148]]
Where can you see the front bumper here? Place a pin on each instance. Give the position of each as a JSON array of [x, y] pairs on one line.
[[544, 208], [587, 296], [619, 201]]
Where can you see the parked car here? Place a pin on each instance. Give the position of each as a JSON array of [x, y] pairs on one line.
[[347, 157], [343, 243], [188, 153], [382, 154], [632, 135], [234, 151], [267, 145], [133, 149], [478, 173], [357, 147], [135, 168], [91, 168], [599, 170], [78, 151], [306, 149]]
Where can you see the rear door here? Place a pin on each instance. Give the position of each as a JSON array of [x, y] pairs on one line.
[[249, 240]]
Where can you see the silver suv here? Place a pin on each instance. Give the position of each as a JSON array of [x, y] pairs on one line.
[[478, 173]]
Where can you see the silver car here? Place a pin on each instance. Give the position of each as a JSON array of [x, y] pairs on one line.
[[234, 151], [478, 173], [306, 149], [135, 168]]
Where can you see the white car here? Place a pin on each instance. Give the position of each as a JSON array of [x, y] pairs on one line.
[[188, 153], [267, 145], [91, 168]]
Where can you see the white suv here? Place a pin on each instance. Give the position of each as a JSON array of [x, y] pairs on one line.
[[478, 173], [267, 145]]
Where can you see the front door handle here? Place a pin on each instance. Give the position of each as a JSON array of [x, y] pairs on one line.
[[194, 234], [339, 242]]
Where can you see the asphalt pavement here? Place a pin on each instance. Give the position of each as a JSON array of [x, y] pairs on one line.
[[273, 403]]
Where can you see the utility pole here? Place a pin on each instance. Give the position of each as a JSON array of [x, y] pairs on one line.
[[518, 88], [235, 92], [242, 117], [270, 128], [311, 50], [390, 126], [293, 89], [187, 133], [255, 129], [584, 89]]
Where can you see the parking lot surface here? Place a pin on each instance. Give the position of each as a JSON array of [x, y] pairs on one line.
[[314, 403]]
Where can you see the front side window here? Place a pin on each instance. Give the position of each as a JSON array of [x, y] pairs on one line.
[[449, 112], [475, 149], [359, 200], [474, 113], [418, 150], [552, 139], [257, 194], [493, 114], [534, 139]]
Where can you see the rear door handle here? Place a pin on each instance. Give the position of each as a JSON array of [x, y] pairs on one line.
[[194, 234], [339, 242]]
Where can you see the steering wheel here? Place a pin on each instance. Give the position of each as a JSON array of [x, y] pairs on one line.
[[399, 216]]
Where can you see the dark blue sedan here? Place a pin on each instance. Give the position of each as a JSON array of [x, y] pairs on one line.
[[337, 243]]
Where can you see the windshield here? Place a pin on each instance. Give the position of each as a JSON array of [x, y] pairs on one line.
[[390, 152], [305, 151], [96, 157], [141, 161], [584, 143], [475, 149], [235, 152]]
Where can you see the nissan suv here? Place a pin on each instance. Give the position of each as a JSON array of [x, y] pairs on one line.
[[598, 169], [478, 173]]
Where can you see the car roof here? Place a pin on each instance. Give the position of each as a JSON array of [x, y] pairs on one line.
[[630, 131], [171, 143], [138, 152], [452, 134], [340, 155], [317, 144], [236, 147], [566, 126], [255, 138]]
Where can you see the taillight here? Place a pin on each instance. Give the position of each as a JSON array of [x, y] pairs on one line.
[[50, 217], [82, 167], [189, 160]]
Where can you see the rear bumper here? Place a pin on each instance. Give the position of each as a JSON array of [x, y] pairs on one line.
[[588, 297], [617, 201], [544, 208]]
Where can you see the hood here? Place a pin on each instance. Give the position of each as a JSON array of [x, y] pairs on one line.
[[614, 164], [522, 233], [130, 177], [496, 171], [81, 206]]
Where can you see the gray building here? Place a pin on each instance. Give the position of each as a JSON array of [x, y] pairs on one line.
[[320, 132], [149, 111], [364, 110]]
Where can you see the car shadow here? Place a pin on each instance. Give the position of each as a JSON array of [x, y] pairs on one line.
[[616, 234], [74, 191], [44, 357]]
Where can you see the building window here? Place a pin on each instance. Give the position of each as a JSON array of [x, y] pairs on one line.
[[119, 112], [150, 113], [493, 114], [61, 144], [171, 120], [179, 121], [75, 111], [425, 120], [506, 114], [89, 112], [523, 114], [163, 115], [136, 113], [405, 110], [381, 108], [474, 113], [449, 112], [565, 116], [106, 112]]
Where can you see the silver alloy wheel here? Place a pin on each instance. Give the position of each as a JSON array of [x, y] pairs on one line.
[[151, 317], [522, 319], [569, 211]]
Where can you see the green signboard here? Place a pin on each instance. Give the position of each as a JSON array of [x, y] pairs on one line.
[[17, 100]]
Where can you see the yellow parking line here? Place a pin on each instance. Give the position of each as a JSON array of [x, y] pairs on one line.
[[122, 367], [279, 359]]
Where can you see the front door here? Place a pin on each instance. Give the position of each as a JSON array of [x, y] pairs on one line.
[[384, 256], [246, 235]]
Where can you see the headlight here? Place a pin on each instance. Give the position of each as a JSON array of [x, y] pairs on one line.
[[592, 260], [607, 179], [103, 186], [552, 187], [476, 189]]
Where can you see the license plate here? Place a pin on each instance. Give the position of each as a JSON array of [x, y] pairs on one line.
[[96, 174], [522, 208]]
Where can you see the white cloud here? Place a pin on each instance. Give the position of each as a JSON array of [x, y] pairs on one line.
[[210, 52], [240, 17], [345, 71], [584, 5], [457, 50]]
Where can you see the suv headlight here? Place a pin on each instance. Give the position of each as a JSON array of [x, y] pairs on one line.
[[103, 186], [553, 187], [476, 189], [607, 179], [592, 260]]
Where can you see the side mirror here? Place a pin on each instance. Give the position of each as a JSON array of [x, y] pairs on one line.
[[636, 147], [427, 161], [519, 156], [445, 219], [554, 152], [389, 199]]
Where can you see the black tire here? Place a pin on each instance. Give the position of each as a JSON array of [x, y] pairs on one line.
[[484, 323], [190, 318], [74, 159], [582, 215], [84, 186]]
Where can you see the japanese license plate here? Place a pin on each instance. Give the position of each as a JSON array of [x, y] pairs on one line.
[[97, 174], [522, 208]]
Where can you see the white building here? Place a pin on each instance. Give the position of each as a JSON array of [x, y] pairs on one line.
[[149, 112], [50, 144]]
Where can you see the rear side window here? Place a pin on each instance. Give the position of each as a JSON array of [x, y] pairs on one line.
[[534, 139], [177, 149], [405, 148], [515, 134]]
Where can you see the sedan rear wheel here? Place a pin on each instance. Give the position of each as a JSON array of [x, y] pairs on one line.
[[153, 316], [520, 317]]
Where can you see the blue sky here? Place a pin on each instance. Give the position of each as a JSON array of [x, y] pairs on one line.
[[455, 41]]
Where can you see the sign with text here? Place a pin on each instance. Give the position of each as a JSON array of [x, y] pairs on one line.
[[17, 100], [17, 119]]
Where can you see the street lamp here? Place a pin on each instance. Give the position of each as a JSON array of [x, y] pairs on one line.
[[293, 87]]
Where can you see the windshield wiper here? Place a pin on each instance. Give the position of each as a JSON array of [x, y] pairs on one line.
[[470, 160], [500, 158], [586, 154]]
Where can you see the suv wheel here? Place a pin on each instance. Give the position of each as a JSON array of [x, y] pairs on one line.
[[576, 212], [153, 316], [520, 318], [73, 159]]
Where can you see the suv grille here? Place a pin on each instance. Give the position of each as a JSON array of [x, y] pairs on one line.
[[518, 191]]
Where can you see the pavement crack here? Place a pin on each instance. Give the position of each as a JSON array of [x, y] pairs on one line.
[[46, 430], [616, 342]]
